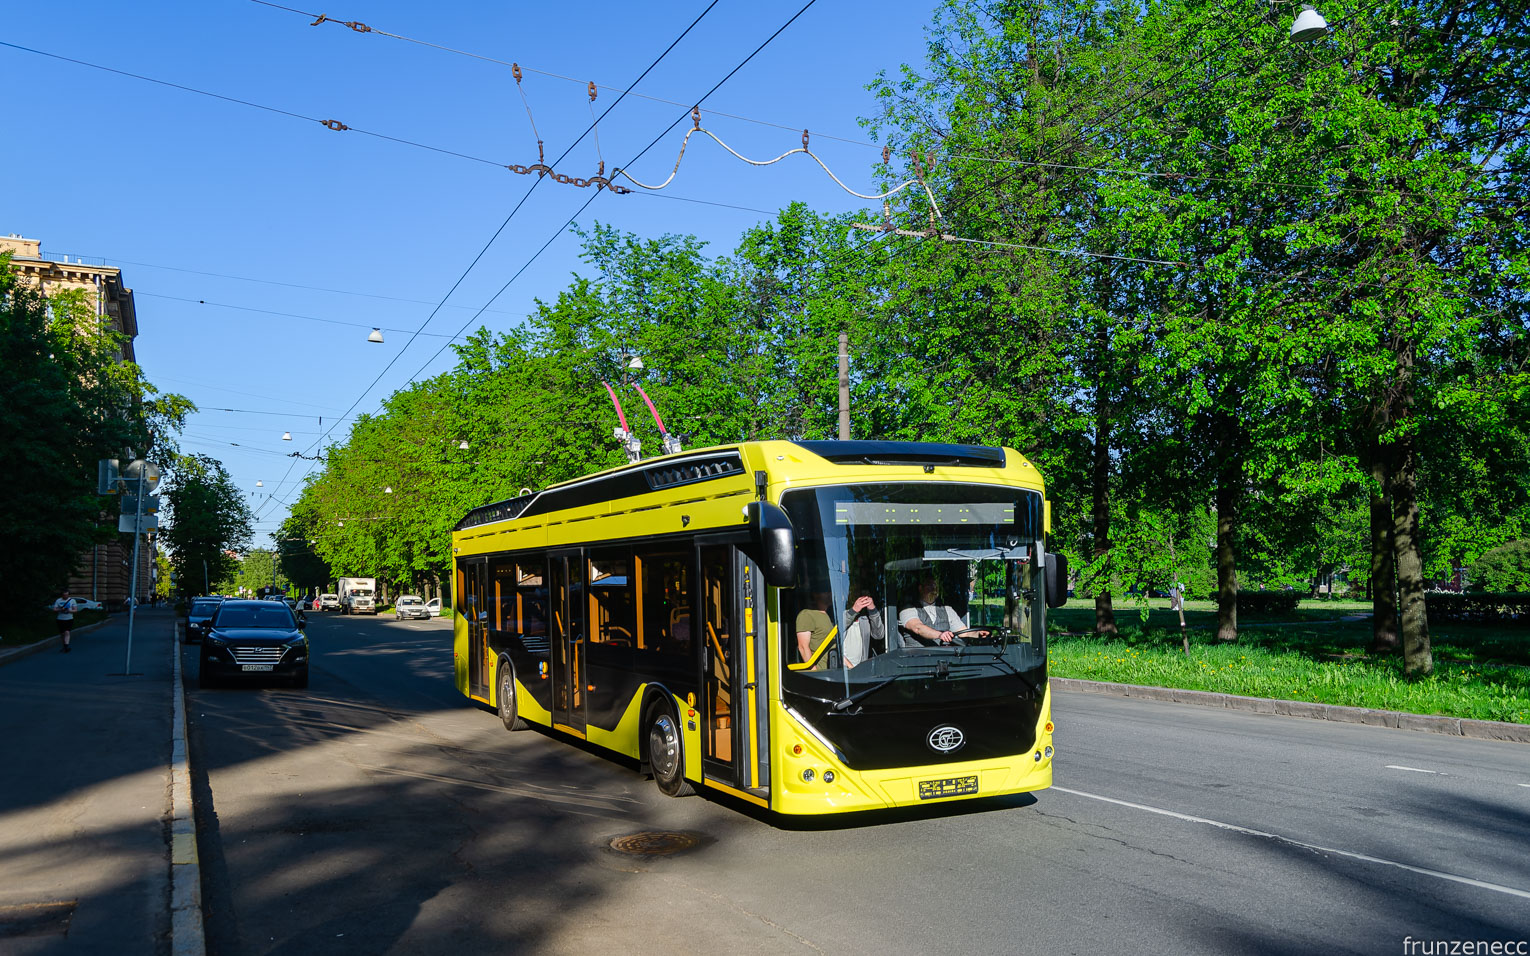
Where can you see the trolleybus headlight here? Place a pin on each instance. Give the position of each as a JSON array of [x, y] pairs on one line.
[[808, 775], [1049, 751], [828, 776], [1038, 756]]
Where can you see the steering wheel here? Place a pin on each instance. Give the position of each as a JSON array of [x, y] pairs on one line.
[[972, 636]]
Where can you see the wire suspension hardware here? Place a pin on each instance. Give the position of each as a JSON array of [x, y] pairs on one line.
[[515, 71], [918, 180]]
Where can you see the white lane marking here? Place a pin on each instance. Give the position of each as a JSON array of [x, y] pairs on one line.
[[1437, 874], [1437, 773], [1525, 785]]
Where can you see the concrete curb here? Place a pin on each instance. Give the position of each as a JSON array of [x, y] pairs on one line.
[[27, 650], [1430, 723], [186, 931]]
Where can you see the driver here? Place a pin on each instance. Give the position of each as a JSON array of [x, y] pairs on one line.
[[931, 622]]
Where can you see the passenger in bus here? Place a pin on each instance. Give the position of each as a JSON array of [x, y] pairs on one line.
[[863, 633], [813, 627], [930, 621]]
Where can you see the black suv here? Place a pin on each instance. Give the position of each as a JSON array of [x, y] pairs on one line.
[[197, 615], [255, 639]]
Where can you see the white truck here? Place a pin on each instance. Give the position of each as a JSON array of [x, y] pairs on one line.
[[358, 595]]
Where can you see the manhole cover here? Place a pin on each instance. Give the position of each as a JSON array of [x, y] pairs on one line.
[[654, 843]]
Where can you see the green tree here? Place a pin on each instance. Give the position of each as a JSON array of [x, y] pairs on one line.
[[208, 519], [1505, 568], [66, 401]]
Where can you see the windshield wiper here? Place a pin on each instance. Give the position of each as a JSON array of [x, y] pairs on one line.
[[941, 670]]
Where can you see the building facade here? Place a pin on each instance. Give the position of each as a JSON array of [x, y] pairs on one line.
[[104, 573]]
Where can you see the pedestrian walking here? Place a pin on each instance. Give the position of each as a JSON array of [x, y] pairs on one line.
[[65, 607]]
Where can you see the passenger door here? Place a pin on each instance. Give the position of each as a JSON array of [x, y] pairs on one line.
[[731, 700], [475, 581], [566, 633]]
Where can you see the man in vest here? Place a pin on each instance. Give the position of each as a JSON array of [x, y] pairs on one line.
[[931, 621]]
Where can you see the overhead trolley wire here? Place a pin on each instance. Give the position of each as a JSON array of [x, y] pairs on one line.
[[634, 159], [742, 63], [362, 28], [683, 34]]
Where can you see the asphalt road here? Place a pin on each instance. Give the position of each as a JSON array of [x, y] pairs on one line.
[[378, 811]]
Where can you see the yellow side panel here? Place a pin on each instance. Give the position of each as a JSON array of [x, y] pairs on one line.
[[527, 706], [624, 739], [460, 652]]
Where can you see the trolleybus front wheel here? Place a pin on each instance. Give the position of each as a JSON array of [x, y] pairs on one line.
[[666, 751], [506, 700]]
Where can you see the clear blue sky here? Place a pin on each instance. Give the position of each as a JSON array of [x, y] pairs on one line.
[[169, 184]]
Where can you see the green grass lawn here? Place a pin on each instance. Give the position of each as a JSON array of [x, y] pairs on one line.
[[1482, 671]]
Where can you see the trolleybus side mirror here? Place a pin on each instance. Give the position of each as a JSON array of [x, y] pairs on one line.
[[1057, 580], [774, 543]]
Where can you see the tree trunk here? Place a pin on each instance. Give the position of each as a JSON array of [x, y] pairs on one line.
[[1104, 613], [1418, 659], [1384, 636], [1228, 488], [1382, 588]]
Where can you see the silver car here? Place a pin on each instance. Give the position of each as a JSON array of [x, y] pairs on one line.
[[410, 606]]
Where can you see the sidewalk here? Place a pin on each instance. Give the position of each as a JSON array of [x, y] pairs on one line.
[[85, 802]]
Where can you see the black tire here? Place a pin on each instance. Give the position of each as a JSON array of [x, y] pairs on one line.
[[300, 679], [666, 751], [505, 700]]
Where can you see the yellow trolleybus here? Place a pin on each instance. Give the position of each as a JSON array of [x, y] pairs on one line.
[[811, 626]]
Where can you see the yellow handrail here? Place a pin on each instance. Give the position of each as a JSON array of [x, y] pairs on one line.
[[808, 664]]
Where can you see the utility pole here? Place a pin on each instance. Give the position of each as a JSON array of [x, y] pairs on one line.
[[146, 478], [844, 386]]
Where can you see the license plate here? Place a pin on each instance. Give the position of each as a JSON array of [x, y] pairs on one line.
[[268, 667], [947, 787]]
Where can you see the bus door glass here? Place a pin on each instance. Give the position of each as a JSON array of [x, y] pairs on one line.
[[729, 605], [718, 642], [475, 575], [566, 633]]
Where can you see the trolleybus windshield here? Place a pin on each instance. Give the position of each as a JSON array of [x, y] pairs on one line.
[[876, 561]]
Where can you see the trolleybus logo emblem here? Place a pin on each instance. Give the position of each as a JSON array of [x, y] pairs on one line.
[[946, 738]]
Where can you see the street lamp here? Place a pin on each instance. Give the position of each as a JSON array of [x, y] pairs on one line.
[[1308, 25], [375, 336], [286, 436]]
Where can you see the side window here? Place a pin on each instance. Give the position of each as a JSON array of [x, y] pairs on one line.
[[502, 596], [611, 604], [531, 596], [664, 595]]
